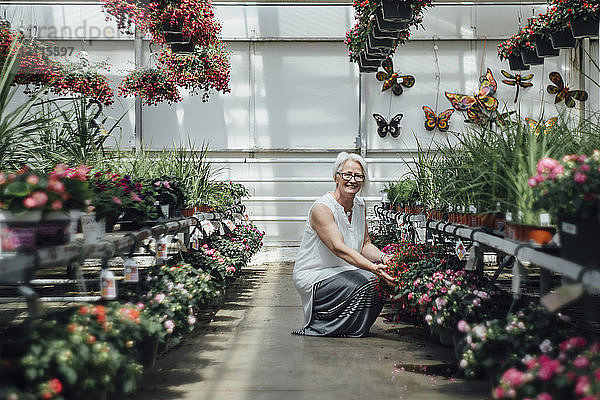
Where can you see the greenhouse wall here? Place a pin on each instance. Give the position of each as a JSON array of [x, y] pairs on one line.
[[296, 101]]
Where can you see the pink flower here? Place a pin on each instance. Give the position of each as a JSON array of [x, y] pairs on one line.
[[116, 200], [159, 297], [582, 386], [581, 362], [548, 367], [579, 177], [29, 202], [584, 167], [166, 184], [544, 396], [546, 346], [532, 182], [572, 343], [135, 197], [498, 392], [60, 170], [55, 185], [546, 164], [409, 296], [32, 179], [463, 326], [514, 378], [40, 198], [141, 305], [56, 205], [169, 325]]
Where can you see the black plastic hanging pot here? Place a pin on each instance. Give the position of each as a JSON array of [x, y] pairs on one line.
[[182, 48], [379, 34], [366, 65], [175, 37], [374, 56], [530, 57], [516, 63], [563, 39], [585, 26], [387, 26], [375, 43], [176, 27], [372, 53], [543, 47], [396, 10]]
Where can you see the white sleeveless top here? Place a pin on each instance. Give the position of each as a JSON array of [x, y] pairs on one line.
[[315, 262]]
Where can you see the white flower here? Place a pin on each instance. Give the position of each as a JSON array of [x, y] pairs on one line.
[[480, 332], [463, 364], [546, 346], [439, 320], [428, 319]]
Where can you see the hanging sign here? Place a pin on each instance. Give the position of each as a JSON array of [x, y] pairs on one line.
[[460, 250]]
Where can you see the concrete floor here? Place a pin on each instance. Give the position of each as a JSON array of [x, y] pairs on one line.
[[247, 353]]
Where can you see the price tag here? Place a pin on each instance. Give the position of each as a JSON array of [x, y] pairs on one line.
[[221, 229], [545, 219], [207, 227], [460, 250], [569, 228], [472, 209], [230, 225], [195, 240], [508, 217]]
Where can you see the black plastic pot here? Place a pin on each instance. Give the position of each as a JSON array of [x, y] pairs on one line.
[[579, 240], [396, 10], [563, 39], [530, 57], [175, 37], [365, 62], [375, 43], [516, 63], [543, 47], [374, 56], [168, 27], [387, 26], [379, 34], [180, 48], [585, 27]]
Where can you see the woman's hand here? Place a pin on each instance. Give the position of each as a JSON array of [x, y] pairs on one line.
[[380, 271], [386, 259]]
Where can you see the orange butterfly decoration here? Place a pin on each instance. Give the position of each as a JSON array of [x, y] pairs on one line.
[[484, 97], [541, 126], [432, 120], [393, 80]]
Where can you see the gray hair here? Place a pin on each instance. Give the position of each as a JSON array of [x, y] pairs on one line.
[[343, 157]]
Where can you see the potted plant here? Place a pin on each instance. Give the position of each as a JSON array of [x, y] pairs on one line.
[[568, 188], [510, 50], [583, 17], [560, 28], [540, 35], [152, 85], [82, 77]]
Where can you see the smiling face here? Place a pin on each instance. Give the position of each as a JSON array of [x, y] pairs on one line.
[[351, 186]]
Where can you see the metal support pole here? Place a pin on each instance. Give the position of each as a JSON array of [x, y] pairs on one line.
[[138, 59], [361, 139]]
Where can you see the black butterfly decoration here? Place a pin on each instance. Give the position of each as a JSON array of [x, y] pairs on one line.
[[383, 127]]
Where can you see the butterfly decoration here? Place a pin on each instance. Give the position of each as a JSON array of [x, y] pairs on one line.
[[517, 80], [541, 126], [393, 80], [432, 120], [563, 92], [484, 97], [475, 115], [383, 127]]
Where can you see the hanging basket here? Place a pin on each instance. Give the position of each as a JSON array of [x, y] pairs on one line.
[[175, 37], [579, 239], [375, 43], [372, 53], [366, 65], [516, 63], [530, 57], [379, 34], [543, 47], [563, 39], [585, 26], [396, 11], [182, 48], [167, 27], [387, 26]]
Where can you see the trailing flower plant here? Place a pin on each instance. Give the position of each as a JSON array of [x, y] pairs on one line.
[[152, 85]]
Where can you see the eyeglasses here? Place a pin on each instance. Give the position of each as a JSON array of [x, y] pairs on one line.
[[347, 176]]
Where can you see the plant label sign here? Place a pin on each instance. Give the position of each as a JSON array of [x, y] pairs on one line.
[[460, 250], [93, 231], [207, 227], [230, 225], [130, 269]]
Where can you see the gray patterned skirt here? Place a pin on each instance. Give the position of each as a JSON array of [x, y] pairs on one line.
[[344, 305]]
